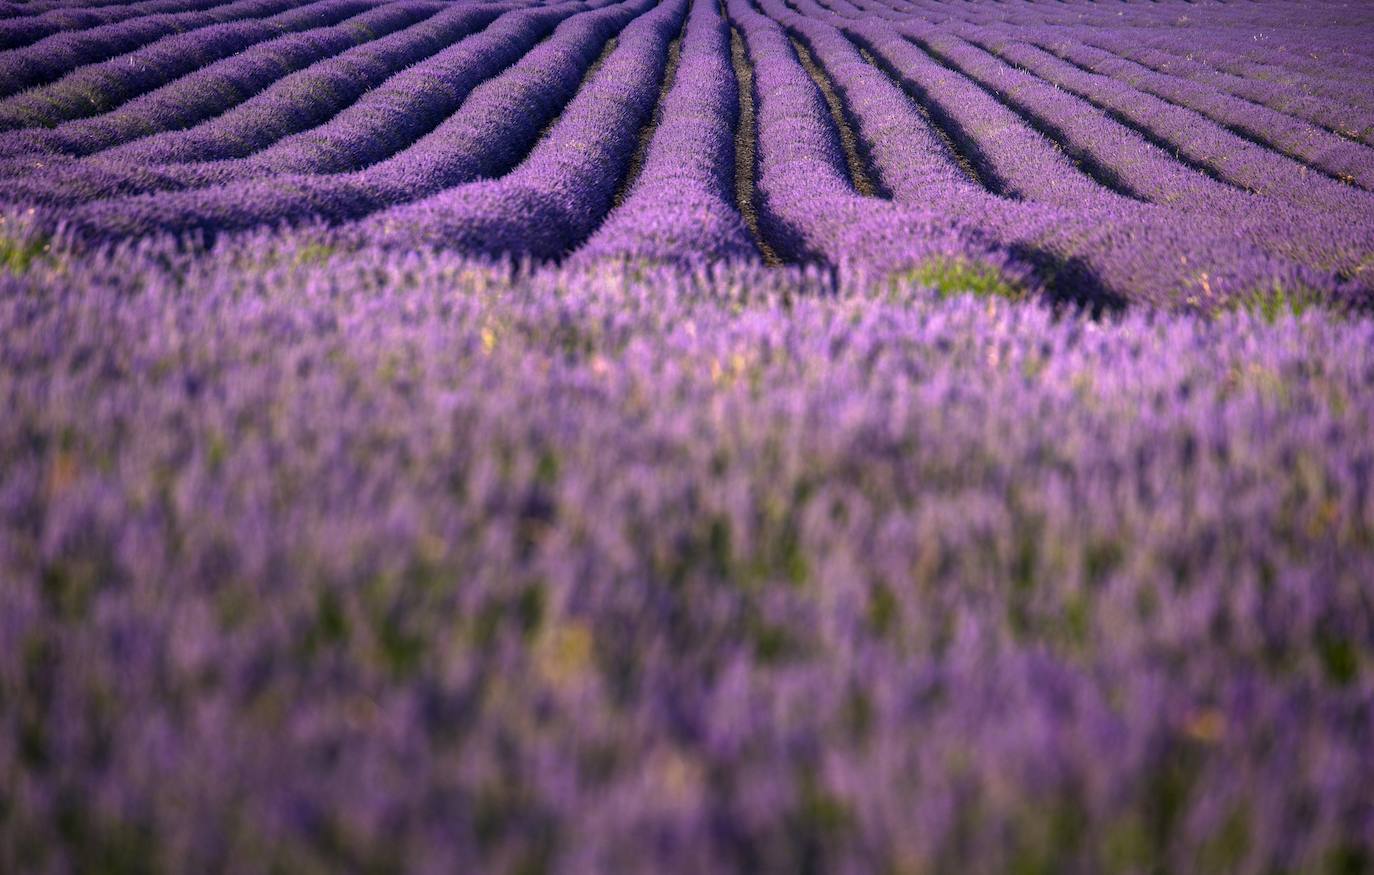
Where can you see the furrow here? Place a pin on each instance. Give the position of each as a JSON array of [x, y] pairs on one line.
[[1113, 111], [1192, 137], [746, 147], [646, 133], [1010, 157], [680, 208], [854, 150], [1101, 173], [384, 122], [20, 31], [1337, 118], [958, 145], [807, 205], [309, 97], [1321, 152]]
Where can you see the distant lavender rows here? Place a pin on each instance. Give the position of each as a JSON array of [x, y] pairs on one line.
[[315, 560], [1149, 157]]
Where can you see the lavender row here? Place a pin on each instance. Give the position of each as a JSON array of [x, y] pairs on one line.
[[912, 162], [1014, 158], [18, 9], [1321, 150], [1197, 137], [17, 31], [99, 88], [411, 104], [135, 108], [52, 57], [681, 208], [1130, 39], [1336, 116], [1342, 35], [1333, 55], [1143, 169], [385, 120], [400, 562], [808, 207], [1099, 245], [1302, 28], [26, 8], [1086, 111], [1325, 82], [496, 126], [559, 193], [800, 171], [310, 97]]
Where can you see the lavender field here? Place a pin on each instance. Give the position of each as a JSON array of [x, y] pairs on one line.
[[604, 436]]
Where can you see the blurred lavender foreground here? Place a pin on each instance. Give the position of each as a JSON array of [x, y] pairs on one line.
[[874, 437], [319, 561]]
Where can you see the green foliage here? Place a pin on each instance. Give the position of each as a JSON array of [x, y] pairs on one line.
[[17, 254], [951, 276], [314, 253], [1278, 302]]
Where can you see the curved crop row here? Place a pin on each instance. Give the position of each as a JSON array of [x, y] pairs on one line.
[[1193, 136], [1098, 246], [17, 31], [52, 57], [681, 208], [493, 130], [802, 179], [1061, 119], [807, 204], [1340, 118], [1023, 162], [1323, 52], [983, 129], [21, 9], [1143, 167], [383, 121], [309, 97], [912, 161], [1226, 57], [1312, 60], [200, 94], [99, 88], [559, 193], [1299, 141]]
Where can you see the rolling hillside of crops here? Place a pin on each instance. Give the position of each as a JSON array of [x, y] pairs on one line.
[[611, 436]]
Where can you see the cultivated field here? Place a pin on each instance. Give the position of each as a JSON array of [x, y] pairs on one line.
[[859, 436]]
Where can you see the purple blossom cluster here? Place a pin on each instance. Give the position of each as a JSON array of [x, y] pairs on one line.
[[375, 560]]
